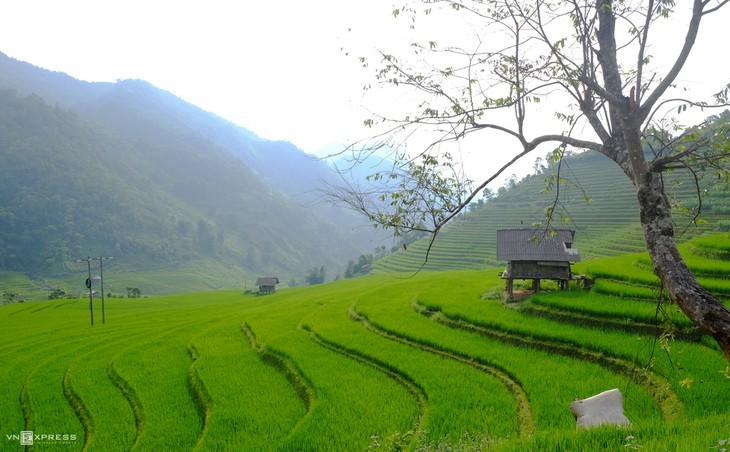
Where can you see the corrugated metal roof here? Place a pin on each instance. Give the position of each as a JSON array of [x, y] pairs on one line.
[[536, 245], [271, 281]]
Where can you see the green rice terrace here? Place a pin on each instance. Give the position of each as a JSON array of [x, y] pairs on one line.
[[431, 361], [594, 198]]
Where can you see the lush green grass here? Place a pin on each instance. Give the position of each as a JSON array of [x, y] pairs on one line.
[[429, 361], [118, 275], [23, 287], [606, 307], [715, 245], [630, 275], [547, 391], [473, 400]]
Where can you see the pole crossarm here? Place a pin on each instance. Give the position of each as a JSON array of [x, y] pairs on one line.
[[88, 260]]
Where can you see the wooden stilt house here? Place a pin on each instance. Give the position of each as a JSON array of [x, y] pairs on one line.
[[536, 254], [267, 285]]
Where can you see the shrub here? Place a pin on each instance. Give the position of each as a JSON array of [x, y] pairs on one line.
[[722, 225]]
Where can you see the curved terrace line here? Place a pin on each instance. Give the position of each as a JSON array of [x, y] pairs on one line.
[[20, 310], [47, 348], [636, 282], [24, 401], [24, 397], [656, 386], [82, 412], [400, 377], [615, 323], [127, 390], [130, 395], [525, 421], [200, 396], [283, 364], [58, 305], [41, 308]]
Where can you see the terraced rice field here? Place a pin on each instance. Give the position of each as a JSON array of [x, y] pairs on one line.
[[388, 362], [606, 226]]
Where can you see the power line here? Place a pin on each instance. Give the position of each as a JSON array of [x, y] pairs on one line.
[[88, 285]]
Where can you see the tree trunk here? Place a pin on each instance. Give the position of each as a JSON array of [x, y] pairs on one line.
[[704, 309]]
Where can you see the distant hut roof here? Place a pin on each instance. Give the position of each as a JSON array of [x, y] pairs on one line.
[[267, 281], [536, 245]]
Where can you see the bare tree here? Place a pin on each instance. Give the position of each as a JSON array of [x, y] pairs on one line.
[[587, 63]]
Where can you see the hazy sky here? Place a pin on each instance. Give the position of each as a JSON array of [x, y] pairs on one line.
[[274, 67]]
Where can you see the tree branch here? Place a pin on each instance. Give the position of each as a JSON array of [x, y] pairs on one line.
[[669, 78], [712, 10], [642, 49]]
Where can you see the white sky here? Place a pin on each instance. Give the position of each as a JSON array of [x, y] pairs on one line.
[[274, 67]]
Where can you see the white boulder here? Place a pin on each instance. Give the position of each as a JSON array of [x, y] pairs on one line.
[[604, 408]]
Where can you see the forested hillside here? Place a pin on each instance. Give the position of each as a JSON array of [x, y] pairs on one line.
[[128, 104], [70, 189], [128, 170]]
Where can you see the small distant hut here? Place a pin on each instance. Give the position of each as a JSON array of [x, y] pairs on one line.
[[267, 285], [537, 254]]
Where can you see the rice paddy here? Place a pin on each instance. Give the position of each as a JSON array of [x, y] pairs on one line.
[[392, 361]]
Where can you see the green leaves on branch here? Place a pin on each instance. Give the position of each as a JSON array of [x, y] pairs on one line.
[[723, 97], [422, 196]]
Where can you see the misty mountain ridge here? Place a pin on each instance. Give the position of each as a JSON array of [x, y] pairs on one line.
[[132, 170]]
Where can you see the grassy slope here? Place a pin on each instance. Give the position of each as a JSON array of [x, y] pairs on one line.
[[386, 359], [606, 226], [203, 274]]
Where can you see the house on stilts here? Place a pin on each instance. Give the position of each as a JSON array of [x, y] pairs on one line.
[[537, 254], [267, 285]]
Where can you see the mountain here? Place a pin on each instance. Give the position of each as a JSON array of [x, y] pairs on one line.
[[124, 105], [129, 170]]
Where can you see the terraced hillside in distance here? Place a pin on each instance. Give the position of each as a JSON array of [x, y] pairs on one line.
[[606, 225], [204, 274], [435, 361]]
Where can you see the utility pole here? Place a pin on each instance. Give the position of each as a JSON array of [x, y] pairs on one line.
[[88, 286], [101, 273]]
